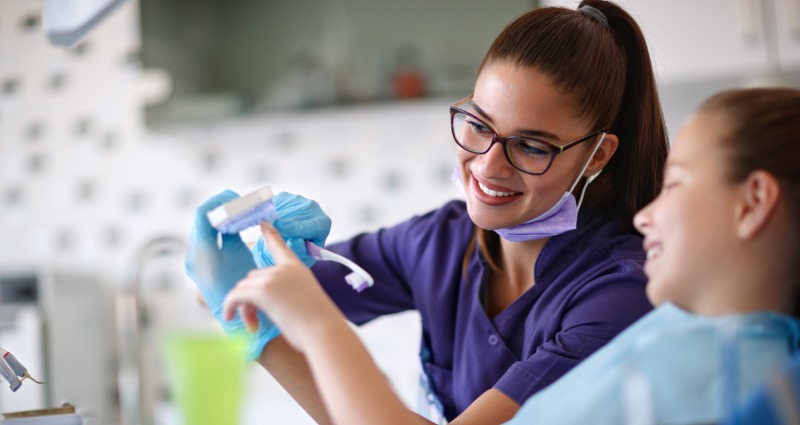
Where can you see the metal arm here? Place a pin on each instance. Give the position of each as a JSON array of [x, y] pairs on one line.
[[13, 371]]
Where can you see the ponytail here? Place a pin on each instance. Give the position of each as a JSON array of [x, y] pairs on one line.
[[634, 173]]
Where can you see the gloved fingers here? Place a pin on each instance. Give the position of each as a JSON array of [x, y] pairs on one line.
[[203, 231], [300, 217], [281, 252], [198, 297], [298, 247], [261, 254], [314, 229], [200, 263], [215, 271], [233, 241], [246, 292], [284, 201], [263, 257]]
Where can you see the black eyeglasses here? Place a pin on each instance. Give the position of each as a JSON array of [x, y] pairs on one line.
[[529, 155]]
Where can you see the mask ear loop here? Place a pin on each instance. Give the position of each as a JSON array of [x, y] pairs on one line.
[[590, 178]]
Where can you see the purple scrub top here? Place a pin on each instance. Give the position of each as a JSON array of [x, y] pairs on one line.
[[590, 285]]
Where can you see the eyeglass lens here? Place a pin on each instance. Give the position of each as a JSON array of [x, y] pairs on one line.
[[476, 136]]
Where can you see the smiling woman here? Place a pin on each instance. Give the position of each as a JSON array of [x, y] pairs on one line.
[[520, 282]]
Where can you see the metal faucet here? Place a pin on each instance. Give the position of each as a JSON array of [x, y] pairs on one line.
[[132, 409]]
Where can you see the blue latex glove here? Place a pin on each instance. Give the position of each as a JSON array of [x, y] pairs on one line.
[[215, 270], [299, 219]]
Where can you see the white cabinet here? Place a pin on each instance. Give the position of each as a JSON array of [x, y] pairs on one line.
[[707, 39], [787, 28]]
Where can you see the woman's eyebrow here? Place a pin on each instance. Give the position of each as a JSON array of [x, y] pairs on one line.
[[539, 134]]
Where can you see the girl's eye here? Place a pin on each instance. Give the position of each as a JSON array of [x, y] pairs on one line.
[[669, 185]]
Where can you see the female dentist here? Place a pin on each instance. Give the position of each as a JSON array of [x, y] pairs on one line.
[[722, 259], [529, 276]]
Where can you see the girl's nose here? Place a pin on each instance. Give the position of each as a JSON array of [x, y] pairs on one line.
[[641, 221]]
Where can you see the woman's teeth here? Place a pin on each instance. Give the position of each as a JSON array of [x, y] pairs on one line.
[[491, 192]]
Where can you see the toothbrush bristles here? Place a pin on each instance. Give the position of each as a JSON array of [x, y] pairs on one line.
[[357, 281]]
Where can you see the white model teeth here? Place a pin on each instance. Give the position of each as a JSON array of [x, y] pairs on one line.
[[491, 192]]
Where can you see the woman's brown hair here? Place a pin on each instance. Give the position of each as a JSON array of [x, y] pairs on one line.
[[605, 66]]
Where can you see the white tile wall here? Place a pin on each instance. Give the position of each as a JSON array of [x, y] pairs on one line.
[[69, 124]]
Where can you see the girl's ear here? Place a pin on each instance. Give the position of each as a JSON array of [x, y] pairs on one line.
[[760, 193], [603, 154]]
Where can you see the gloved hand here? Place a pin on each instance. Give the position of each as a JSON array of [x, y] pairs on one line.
[[299, 219], [216, 270]]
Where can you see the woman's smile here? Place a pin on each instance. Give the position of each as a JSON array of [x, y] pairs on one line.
[[492, 194]]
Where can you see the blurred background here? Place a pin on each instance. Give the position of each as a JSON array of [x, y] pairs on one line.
[[106, 147]]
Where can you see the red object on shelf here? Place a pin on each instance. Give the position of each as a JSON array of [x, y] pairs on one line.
[[407, 84]]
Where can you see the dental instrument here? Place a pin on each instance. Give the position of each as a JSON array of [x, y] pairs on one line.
[[13, 371], [9, 376], [257, 207]]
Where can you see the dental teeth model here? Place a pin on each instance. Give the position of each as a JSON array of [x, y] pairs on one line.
[[257, 207]]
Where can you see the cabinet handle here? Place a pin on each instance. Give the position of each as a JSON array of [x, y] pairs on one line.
[[748, 21]]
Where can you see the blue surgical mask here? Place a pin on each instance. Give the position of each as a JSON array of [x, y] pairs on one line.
[[560, 218]]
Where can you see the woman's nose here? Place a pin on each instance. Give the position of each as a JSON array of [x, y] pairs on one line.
[[494, 163]]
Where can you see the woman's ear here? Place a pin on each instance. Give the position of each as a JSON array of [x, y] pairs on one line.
[[603, 154], [760, 193]]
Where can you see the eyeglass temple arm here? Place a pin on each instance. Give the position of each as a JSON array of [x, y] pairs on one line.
[[571, 144]]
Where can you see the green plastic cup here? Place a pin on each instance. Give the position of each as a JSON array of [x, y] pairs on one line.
[[206, 377]]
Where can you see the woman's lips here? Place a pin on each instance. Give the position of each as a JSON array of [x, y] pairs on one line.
[[493, 195]]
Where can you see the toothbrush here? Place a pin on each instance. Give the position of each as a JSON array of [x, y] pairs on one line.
[[257, 207], [359, 279]]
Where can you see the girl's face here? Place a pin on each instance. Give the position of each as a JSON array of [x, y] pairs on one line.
[[520, 101], [689, 228]]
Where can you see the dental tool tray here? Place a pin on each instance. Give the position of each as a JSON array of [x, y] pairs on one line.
[[64, 415]]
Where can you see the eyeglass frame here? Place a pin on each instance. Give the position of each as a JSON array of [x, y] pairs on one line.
[[496, 138]]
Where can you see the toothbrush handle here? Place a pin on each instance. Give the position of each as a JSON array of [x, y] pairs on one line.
[[313, 250], [359, 283]]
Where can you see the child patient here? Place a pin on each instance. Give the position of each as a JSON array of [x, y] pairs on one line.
[[723, 252]]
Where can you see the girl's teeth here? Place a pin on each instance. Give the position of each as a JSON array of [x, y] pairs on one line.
[[652, 252], [491, 192]]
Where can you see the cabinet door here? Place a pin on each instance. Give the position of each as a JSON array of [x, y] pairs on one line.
[[787, 33], [699, 40]]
